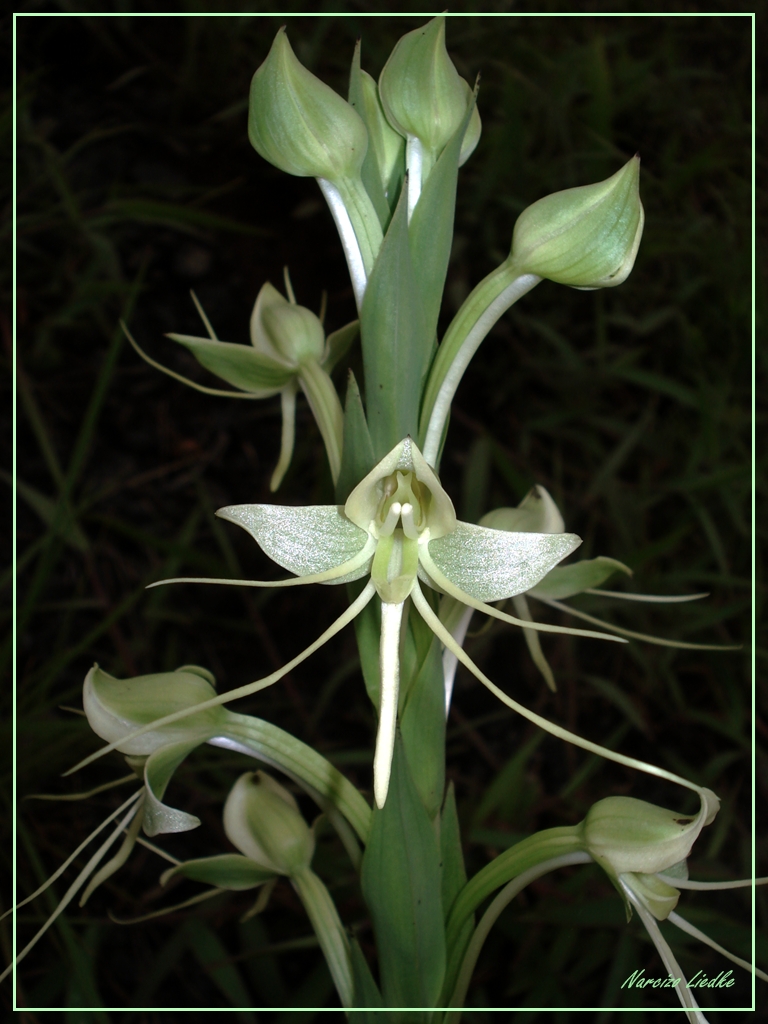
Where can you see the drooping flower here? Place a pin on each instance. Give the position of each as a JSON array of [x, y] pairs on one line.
[[643, 849]]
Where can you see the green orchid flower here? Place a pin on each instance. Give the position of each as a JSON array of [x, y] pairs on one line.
[[288, 352], [262, 820], [399, 527], [644, 849]]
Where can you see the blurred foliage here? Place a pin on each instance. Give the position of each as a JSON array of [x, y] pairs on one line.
[[632, 406]]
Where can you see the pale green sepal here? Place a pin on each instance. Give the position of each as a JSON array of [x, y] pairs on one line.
[[238, 365], [490, 565], [159, 818], [297, 333], [474, 128], [421, 91], [365, 500], [536, 513], [300, 124], [586, 237], [383, 167], [627, 835], [117, 707], [338, 343], [567, 580], [659, 897], [225, 871], [306, 540], [262, 819], [269, 298]]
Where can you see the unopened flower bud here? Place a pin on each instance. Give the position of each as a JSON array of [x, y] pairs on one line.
[[627, 835], [585, 237], [118, 707], [422, 93], [262, 819], [284, 330], [300, 124]]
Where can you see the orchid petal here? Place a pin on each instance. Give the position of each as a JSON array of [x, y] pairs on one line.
[[533, 643], [491, 565], [442, 583], [310, 540]]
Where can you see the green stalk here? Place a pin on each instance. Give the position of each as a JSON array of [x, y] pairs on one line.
[[520, 858], [479, 312], [490, 917], [326, 408], [328, 929]]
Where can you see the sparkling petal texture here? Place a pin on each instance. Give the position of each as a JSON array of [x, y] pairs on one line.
[[491, 565], [305, 540]]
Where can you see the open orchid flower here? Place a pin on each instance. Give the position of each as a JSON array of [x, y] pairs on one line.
[[537, 512], [399, 527], [288, 351], [643, 849]]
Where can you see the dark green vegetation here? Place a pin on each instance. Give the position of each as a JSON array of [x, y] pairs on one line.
[[632, 406]]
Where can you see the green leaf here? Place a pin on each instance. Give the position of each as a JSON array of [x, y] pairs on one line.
[[490, 565], [306, 540], [338, 344], [396, 345], [422, 724], [368, 634], [567, 580], [214, 958], [453, 875], [453, 880], [401, 886], [357, 458], [431, 227], [47, 509], [239, 365], [225, 871], [365, 988]]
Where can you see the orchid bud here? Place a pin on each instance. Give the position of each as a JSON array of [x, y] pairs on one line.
[[118, 707], [284, 330], [422, 93], [627, 835], [262, 819], [300, 124], [585, 237]]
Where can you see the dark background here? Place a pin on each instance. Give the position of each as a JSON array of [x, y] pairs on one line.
[[632, 406]]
